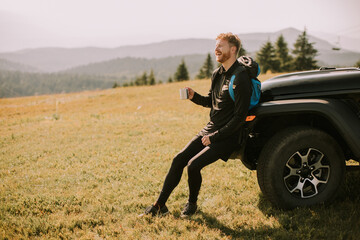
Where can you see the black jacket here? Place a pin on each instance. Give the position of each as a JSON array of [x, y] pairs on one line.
[[226, 116]]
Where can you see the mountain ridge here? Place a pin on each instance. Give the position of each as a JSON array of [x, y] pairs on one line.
[[60, 59]]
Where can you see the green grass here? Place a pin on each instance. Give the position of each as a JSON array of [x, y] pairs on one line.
[[86, 168]]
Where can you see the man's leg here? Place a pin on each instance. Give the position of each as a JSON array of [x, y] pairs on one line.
[[175, 172], [202, 159]]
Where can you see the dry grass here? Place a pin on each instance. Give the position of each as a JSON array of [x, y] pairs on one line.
[[84, 165]]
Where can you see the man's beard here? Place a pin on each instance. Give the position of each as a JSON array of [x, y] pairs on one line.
[[224, 57]]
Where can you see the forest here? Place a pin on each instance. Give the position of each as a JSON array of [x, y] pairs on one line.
[[16, 83]]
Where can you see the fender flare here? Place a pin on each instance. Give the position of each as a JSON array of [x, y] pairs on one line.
[[344, 120]]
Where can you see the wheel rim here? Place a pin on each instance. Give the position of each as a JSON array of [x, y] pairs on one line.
[[306, 173]]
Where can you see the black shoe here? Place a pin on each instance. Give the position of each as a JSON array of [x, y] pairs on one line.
[[155, 211], [189, 209]]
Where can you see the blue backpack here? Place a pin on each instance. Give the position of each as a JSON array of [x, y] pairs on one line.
[[253, 70]]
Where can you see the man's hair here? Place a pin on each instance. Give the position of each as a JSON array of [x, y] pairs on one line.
[[233, 40]]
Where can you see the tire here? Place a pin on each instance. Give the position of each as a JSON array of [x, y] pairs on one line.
[[300, 166]]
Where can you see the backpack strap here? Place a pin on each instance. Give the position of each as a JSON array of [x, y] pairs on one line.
[[231, 89], [232, 79]]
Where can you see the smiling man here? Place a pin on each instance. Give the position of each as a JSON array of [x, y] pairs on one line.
[[220, 137]]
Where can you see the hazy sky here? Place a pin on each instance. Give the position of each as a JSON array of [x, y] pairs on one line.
[[111, 23]]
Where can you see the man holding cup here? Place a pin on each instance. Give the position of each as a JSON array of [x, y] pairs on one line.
[[220, 137]]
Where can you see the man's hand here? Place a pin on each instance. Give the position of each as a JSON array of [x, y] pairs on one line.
[[191, 92], [205, 140]]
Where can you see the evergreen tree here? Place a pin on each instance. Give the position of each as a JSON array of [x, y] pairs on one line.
[[242, 52], [357, 64], [207, 69], [151, 78], [304, 53], [170, 80], [267, 59], [137, 81], [282, 55], [144, 79], [201, 74], [141, 80], [182, 73]]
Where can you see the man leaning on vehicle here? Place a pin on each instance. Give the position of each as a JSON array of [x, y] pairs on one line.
[[219, 138]]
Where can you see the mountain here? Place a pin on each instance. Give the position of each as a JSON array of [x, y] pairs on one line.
[[345, 42], [58, 59], [129, 68], [253, 41], [326, 55], [17, 83], [12, 66]]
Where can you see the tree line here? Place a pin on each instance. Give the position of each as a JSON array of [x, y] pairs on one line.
[[181, 74], [271, 57], [17, 84], [276, 57]]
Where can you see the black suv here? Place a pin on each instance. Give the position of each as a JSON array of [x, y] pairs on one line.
[[300, 136]]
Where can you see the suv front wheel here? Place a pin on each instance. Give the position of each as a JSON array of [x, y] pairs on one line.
[[300, 166]]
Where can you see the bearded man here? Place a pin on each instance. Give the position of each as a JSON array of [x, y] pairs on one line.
[[220, 137]]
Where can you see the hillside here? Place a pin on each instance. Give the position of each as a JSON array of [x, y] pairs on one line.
[[12, 66], [93, 76], [85, 165], [58, 59], [128, 68], [17, 83]]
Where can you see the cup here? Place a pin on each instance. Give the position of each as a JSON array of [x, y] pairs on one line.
[[184, 93]]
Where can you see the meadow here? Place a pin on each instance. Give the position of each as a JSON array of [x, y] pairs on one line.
[[85, 165]]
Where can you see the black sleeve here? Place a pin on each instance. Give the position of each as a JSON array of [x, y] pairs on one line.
[[242, 94], [204, 101]]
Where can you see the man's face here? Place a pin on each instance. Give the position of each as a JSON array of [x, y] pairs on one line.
[[222, 50]]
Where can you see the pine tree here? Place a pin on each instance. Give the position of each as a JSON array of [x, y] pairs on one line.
[[242, 52], [144, 79], [282, 55], [304, 53], [115, 85], [207, 69], [267, 59], [170, 80], [139, 81], [182, 73], [357, 64], [201, 74], [151, 78]]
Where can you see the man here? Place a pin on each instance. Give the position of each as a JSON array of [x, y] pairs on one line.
[[219, 138]]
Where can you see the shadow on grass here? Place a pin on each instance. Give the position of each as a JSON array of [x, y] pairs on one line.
[[340, 220], [236, 233]]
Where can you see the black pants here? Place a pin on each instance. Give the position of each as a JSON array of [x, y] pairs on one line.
[[195, 156]]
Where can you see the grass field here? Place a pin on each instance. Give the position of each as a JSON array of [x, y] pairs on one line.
[[84, 165]]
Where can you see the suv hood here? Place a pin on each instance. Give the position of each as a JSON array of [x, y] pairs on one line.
[[311, 84]]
